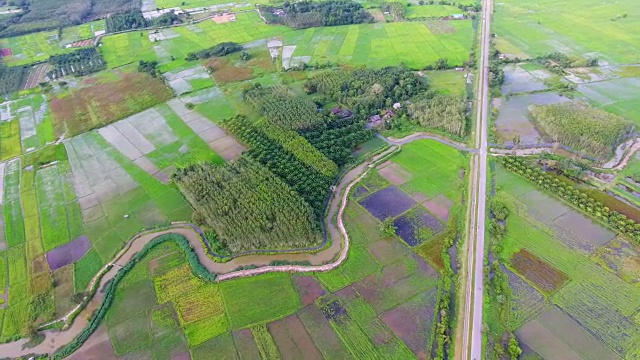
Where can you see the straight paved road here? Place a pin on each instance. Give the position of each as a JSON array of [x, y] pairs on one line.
[[472, 319]]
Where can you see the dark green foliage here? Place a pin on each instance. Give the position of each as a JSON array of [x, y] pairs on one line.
[[337, 137], [283, 108], [150, 67], [247, 206], [305, 14], [109, 293], [387, 227], [217, 246], [221, 49], [80, 62], [442, 112], [582, 127], [126, 21], [167, 19], [558, 61], [574, 196], [496, 75], [366, 91], [497, 220], [11, 78], [42, 15], [309, 183]]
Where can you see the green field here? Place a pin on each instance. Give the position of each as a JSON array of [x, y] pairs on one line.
[[248, 27], [583, 28], [411, 43], [31, 48]]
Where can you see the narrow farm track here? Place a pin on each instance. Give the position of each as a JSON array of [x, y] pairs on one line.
[[430, 136], [339, 246]]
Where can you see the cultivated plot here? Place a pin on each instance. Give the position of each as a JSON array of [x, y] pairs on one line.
[[412, 43], [582, 28]]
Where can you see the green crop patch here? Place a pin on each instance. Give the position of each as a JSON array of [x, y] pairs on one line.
[[85, 269], [574, 27], [411, 43], [248, 300]]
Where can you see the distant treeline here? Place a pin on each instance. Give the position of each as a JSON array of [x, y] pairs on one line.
[[40, 15], [11, 78], [305, 14], [221, 49], [78, 63], [134, 20]]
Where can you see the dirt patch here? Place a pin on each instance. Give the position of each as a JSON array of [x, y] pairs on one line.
[[63, 290], [225, 72], [387, 251], [301, 338], [308, 288], [6, 52], [224, 18], [82, 43], [440, 27], [411, 322], [543, 275], [388, 202], [97, 347], [395, 174], [246, 345], [439, 206], [181, 356], [378, 16], [419, 197], [283, 341], [39, 265], [432, 252], [91, 107]]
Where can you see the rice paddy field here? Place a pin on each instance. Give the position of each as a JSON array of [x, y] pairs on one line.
[[571, 297], [608, 31], [416, 44], [179, 41], [379, 304], [423, 43]]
